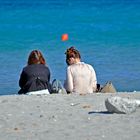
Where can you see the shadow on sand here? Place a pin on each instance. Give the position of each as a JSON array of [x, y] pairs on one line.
[[100, 112]]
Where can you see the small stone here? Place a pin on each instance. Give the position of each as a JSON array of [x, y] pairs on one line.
[[86, 106], [74, 104], [16, 129], [89, 118], [103, 136]]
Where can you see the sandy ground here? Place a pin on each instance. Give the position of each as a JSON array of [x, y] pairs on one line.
[[65, 117]]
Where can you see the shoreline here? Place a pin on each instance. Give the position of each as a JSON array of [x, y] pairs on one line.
[[66, 116], [119, 92]]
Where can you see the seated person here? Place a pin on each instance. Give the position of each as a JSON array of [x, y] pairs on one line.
[[35, 77], [80, 77]]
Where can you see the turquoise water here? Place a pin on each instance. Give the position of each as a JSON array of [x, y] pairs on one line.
[[106, 33]]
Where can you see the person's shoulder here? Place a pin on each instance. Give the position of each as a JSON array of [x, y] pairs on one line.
[[34, 66], [45, 67], [25, 67], [69, 67], [29, 66], [42, 66], [76, 65], [89, 66], [38, 65]]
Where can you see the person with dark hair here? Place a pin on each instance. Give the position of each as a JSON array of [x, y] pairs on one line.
[[35, 77], [80, 77]]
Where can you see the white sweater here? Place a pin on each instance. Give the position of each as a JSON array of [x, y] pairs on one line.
[[80, 78]]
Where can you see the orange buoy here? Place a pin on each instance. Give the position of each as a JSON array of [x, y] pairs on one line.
[[64, 37]]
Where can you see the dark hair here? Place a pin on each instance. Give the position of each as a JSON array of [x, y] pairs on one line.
[[36, 57], [72, 52]]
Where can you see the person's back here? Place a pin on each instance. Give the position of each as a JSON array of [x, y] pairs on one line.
[[80, 77], [84, 80], [36, 75]]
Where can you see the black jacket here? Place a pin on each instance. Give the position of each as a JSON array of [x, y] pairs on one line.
[[33, 78]]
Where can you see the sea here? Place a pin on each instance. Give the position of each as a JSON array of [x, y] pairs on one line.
[[106, 32]]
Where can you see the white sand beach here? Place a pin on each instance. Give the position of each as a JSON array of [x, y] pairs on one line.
[[66, 117]]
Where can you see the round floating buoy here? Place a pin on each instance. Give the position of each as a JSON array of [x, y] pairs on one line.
[[64, 37]]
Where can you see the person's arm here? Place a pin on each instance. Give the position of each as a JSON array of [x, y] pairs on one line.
[[69, 81], [22, 80], [94, 78], [49, 75]]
